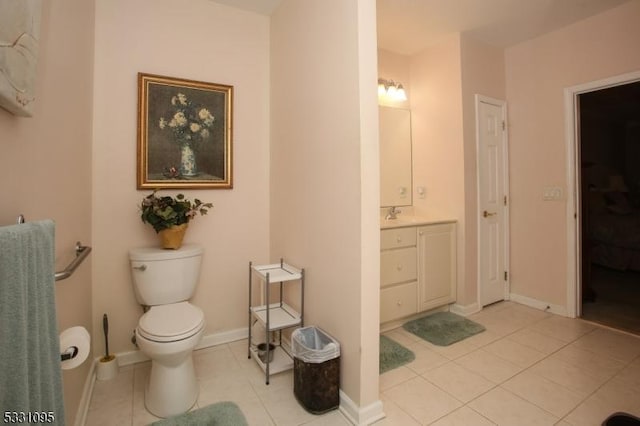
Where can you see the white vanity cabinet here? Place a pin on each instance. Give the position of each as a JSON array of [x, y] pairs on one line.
[[398, 273], [436, 265], [417, 268]]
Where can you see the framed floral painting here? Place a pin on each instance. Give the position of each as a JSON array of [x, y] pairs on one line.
[[19, 45], [184, 133]]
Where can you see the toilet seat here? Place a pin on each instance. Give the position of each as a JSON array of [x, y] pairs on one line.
[[170, 323]]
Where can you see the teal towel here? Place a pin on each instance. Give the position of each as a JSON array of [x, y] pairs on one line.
[[30, 374]]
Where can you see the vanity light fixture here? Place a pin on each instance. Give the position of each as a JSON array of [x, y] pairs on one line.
[[392, 90]]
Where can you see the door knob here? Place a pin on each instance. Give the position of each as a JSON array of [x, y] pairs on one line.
[[487, 214]]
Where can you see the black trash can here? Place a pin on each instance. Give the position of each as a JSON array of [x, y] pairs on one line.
[[621, 419], [316, 370]]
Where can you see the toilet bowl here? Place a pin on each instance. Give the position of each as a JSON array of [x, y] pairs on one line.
[[168, 334], [171, 327]]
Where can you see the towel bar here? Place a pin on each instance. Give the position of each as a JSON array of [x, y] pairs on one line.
[[81, 253]]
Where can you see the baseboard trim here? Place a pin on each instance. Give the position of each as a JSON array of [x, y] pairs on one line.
[[538, 304], [465, 310], [214, 339], [223, 337], [85, 400], [130, 357], [360, 416], [393, 324]]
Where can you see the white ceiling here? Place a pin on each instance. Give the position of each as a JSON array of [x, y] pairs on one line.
[[408, 26]]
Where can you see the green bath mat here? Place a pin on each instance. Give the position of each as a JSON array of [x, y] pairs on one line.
[[219, 414], [443, 328], [393, 355]]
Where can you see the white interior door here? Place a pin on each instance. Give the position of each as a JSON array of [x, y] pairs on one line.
[[492, 200]]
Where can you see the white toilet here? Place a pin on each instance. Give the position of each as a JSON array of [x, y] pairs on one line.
[[168, 332]]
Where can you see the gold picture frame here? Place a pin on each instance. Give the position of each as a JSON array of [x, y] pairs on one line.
[[184, 134]]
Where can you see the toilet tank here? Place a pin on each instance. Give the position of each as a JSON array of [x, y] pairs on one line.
[[164, 276]]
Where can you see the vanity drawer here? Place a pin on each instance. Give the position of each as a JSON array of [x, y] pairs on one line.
[[397, 237], [398, 266], [398, 301]]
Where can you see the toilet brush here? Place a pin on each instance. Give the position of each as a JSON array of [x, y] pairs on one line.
[[108, 365], [105, 328]]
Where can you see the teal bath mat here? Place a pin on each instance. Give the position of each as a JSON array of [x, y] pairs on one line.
[[443, 328], [393, 355], [219, 414]]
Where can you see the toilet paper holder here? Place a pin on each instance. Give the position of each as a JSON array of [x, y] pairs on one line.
[[75, 347], [70, 353]]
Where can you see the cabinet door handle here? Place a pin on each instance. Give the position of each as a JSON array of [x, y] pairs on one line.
[[399, 239], [399, 303], [399, 267], [141, 268]]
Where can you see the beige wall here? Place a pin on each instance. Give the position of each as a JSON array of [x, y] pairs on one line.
[[317, 195], [46, 162], [200, 41], [537, 72], [369, 202], [483, 73], [437, 123]]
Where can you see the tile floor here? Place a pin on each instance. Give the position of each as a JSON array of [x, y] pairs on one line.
[[528, 368]]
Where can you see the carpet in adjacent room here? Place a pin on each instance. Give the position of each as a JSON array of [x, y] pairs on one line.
[[443, 328], [219, 414], [393, 354]]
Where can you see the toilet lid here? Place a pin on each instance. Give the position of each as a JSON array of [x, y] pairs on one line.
[[167, 323]]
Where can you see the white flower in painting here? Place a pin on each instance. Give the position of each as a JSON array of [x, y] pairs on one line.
[[180, 119], [206, 117], [189, 122]]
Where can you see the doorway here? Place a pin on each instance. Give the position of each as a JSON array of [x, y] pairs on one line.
[[607, 190], [493, 187], [609, 139]]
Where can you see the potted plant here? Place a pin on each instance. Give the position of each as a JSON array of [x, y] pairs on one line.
[[170, 216]]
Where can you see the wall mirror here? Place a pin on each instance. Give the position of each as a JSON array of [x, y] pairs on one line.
[[395, 157]]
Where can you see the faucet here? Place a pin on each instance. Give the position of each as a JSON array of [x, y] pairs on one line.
[[392, 212]]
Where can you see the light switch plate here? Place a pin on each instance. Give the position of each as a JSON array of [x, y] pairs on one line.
[[552, 193]]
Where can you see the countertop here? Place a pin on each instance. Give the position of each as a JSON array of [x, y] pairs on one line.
[[405, 221]]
